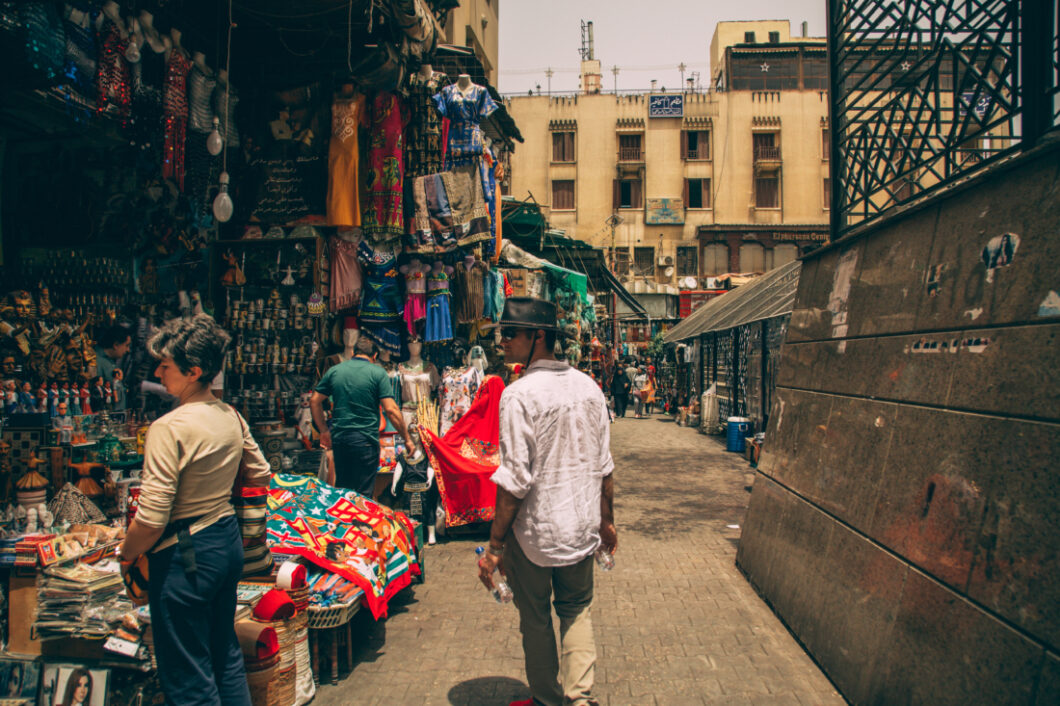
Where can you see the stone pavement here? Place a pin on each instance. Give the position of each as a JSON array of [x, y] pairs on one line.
[[675, 621]]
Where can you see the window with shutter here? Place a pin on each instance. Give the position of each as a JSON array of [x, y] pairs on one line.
[[621, 260], [687, 260], [697, 193], [752, 257], [563, 195], [695, 145], [827, 189], [767, 191], [630, 148], [628, 194], [715, 259], [563, 146], [644, 261]]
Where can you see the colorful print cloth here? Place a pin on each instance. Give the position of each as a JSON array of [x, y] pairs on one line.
[[374, 546], [466, 456]]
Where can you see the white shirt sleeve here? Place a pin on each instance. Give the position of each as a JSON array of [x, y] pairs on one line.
[[606, 463], [517, 448]]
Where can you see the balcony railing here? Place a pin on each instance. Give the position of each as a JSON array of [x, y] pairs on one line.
[[767, 154], [630, 154], [697, 154]]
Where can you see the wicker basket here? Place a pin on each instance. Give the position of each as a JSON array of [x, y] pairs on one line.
[[332, 616]]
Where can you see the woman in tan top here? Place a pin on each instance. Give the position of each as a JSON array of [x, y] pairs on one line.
[[186, 523]]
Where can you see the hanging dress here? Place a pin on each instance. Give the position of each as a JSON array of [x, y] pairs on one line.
[[466, 110], [202, 169], [468, 282], [175, 110], [344, 202], [459, 388], [345, 271], [423, 139], [114, 78], [149, 75], [383, 217], [415, 294], [381, 307], [439, 318]]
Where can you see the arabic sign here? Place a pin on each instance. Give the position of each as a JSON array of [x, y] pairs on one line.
[[666, 106], [664, 212]]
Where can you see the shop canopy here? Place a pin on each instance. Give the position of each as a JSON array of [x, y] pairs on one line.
[[768, 296]]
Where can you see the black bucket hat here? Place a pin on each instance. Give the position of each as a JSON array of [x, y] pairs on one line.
[[528, 313]]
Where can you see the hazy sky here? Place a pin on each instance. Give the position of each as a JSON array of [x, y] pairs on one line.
[[646, 39]]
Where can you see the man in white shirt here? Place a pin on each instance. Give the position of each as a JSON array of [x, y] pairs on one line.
[[554, 503]]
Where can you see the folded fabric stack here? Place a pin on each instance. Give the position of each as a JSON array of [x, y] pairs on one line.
[[276, 610]]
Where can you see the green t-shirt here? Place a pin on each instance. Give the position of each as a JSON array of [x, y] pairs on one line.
[[356, 388]]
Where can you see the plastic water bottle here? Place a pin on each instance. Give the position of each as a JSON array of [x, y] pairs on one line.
[[502, 593], [604, 559]]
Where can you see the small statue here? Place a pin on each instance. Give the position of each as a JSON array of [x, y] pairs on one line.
[[42, 398], [149, 278], [63, 423], [304, 422], [233, 276], [288, 281], [10, 397], [25, 399], [85, 395], [118, 385], [108, 396]]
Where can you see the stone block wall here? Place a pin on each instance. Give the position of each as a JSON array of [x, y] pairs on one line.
[[906, 520]]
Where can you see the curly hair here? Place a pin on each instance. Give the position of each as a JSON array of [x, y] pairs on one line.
[[197, 342]]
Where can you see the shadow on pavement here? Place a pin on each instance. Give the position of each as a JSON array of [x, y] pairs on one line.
[[488, 690]]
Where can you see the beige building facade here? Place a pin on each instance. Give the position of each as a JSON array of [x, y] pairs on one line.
[[688, 186], [474, 24]]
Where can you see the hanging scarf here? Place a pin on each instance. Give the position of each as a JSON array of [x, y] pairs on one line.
[[467, 456]]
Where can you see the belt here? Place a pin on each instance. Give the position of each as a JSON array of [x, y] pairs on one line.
[[182, 529]]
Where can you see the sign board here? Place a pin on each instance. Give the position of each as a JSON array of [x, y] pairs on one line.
[[662, 212], [692, 299], [666, 106]]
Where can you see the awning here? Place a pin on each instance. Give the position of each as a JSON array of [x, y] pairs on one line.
[[624, 295], [772, 294]]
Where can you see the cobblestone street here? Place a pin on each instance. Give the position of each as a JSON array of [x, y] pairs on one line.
[[675, 622]]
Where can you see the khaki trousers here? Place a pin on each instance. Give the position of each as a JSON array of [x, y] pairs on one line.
[[566, 678]]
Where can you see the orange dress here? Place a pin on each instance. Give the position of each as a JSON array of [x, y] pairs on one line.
[[344, 201]]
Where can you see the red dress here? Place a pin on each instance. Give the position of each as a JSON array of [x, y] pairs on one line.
[[175, 110], [383, 216]]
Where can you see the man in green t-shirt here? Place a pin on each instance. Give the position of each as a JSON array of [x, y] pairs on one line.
[[357, 388]]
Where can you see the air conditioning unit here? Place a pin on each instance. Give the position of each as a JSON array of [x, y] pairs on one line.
[[709, 283], [665, 260]]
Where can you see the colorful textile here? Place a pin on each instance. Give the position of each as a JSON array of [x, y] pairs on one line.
[[344, 533], [466, 456], [383, 215], [381, 301], [465, 110], [175, 110], [439, 315], [344, 203], [423, 139], [345, 274], [459, 389]]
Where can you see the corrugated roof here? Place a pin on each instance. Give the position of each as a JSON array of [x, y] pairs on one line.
[[772, 294]]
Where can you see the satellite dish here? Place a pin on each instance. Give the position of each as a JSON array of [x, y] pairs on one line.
[[669, 272]]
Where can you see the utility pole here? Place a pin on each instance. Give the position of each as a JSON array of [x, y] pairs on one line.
[[614, 71], [548, 74], [681, 67]]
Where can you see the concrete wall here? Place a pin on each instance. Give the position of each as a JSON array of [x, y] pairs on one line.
[[474, 23], [905, 522]]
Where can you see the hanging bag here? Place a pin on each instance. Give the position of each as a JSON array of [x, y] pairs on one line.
[[251, 506]]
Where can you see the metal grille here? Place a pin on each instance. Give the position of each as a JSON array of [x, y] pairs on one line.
[[926, 91]]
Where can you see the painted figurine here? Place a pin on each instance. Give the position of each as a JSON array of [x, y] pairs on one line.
[[10, 397], [118, 386], [42, 398], [108, 396], [25, 399], [63, 423], [85, 395], [53, 399]]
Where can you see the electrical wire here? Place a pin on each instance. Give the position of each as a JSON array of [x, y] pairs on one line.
[[228, 88]]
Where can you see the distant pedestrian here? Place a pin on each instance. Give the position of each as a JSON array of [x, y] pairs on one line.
[[620, 386], [554, 504], [640, 392]]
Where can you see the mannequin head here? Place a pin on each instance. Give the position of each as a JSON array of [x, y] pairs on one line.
[[415, 350], [350, 334], [477, 358]]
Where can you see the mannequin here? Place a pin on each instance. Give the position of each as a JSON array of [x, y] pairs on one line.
[[350, 334], [147, 27], [427, 71], [476, 358], [112, 11], [199, 59], [174, 36], [415, 274], [463, 82], [419, 380]]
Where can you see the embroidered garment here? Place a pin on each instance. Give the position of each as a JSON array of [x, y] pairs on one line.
[[439, 316], [114, 78], [555, 450], [344, 202], [465, 110], [225, 101], [383, 216], [381, 305], [423, 139], [459, 388], [175, 110], [418, 382], [148, 78], [466, 456], [469, 286], [494, 296], [377, 546], [415, 293], [345, 274], [470, 216], [200, 98]]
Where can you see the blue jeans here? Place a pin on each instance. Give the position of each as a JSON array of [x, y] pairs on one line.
[[200, 662], [356, 461]]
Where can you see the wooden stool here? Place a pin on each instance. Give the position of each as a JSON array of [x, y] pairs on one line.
[[332, 637]]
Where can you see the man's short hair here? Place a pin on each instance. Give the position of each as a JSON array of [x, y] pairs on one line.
[[365, 346], [113, 335]]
